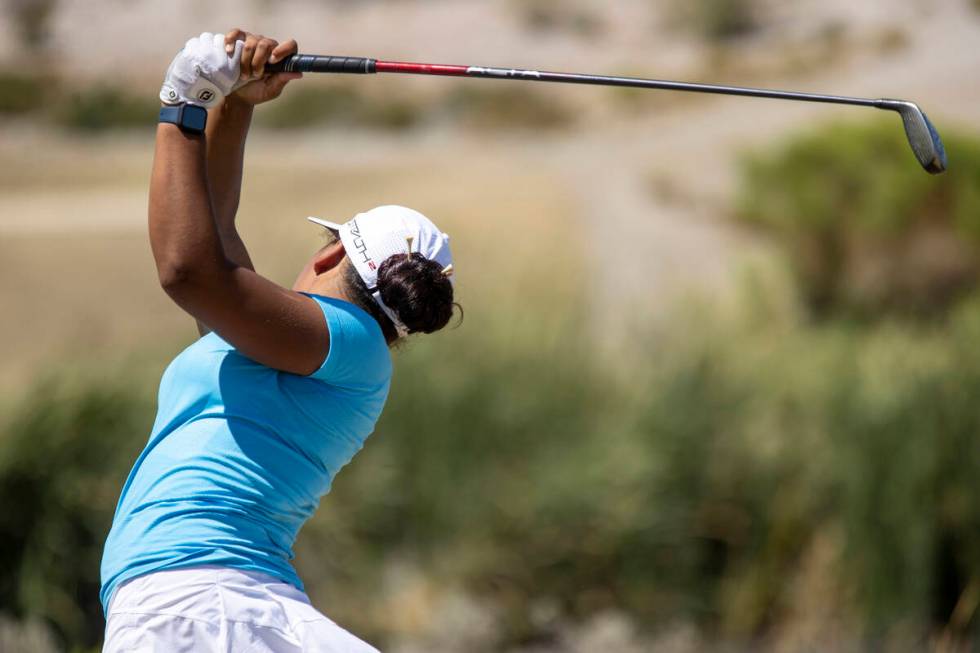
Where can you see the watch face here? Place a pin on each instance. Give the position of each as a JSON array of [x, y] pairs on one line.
[[194, 118]]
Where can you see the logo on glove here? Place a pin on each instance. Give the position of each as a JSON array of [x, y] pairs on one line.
[[202, 72]]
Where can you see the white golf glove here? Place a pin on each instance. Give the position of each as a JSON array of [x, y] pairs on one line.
[[202, 73]]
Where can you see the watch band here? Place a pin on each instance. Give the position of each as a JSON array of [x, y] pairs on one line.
[[190, 118]]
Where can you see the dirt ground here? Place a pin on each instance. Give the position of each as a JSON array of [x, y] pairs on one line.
[[76, 274]]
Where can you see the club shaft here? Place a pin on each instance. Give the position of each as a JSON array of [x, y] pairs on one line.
[[358, 65], [606, 80]]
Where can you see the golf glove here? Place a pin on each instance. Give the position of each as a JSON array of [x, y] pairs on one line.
[[202, 73]]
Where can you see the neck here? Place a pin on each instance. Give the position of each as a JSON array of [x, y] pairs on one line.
[[328, 285]]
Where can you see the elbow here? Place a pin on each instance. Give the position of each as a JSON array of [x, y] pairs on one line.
[[182, 278], [176, 277]]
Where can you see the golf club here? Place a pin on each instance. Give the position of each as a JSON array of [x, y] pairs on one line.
[[922, 136]]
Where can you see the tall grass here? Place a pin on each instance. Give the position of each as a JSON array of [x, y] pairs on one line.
[[63, 457], [699, 490]]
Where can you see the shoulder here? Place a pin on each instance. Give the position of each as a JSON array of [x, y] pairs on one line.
[[358, 353]]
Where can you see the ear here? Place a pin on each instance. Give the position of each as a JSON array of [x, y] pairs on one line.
[[328, 258]]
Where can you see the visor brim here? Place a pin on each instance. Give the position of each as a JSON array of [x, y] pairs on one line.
[[324, 223]]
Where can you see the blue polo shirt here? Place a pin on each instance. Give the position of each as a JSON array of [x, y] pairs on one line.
[[240, 453]]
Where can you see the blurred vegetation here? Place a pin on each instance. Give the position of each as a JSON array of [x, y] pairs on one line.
[[718, 20], [698, 490], [31, 18], [92, 109], [507, 106], [339, 104], [105, 107], [45, 98], [867, 232], [64, 455], [890, 40], [486, 105], [20, 94], [733, 465], [560, 16]]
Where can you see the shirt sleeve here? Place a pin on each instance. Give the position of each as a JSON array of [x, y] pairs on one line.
[[358, 356]]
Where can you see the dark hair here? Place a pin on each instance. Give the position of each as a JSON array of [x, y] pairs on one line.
[[413, 287]]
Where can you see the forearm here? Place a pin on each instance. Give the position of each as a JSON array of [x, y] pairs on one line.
[[196, 182], [184, 236], [227, 130]]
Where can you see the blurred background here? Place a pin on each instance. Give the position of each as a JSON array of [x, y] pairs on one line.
[[718, 384]]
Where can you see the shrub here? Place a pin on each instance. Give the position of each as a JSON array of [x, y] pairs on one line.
[[338, 104], [718, 20], [21, 94], [693, 488], [105, 107], [866, 231], [346, 105], [63, 458], [44, 97], [698, 491]]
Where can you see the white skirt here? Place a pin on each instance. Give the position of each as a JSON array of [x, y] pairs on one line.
[[218, 609]]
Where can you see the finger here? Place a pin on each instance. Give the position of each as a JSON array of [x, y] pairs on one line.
[[283, 50], [233, 35], [262, 52], [248, 52]]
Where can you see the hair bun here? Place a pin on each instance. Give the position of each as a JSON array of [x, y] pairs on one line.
[[415, 288]]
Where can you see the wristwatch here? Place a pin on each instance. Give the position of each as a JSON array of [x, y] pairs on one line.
[[189, 117]]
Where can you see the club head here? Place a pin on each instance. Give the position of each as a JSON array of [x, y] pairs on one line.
[[923, 137]]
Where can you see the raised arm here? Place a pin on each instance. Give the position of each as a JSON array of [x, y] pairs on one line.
[[200, 268], [227, 130]]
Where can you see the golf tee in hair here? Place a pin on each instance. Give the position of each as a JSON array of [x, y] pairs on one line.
[[372, 237]]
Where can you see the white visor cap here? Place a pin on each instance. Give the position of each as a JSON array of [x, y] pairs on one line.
[[370, 238]]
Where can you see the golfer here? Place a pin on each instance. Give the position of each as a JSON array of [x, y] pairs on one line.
[[257, 417]]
